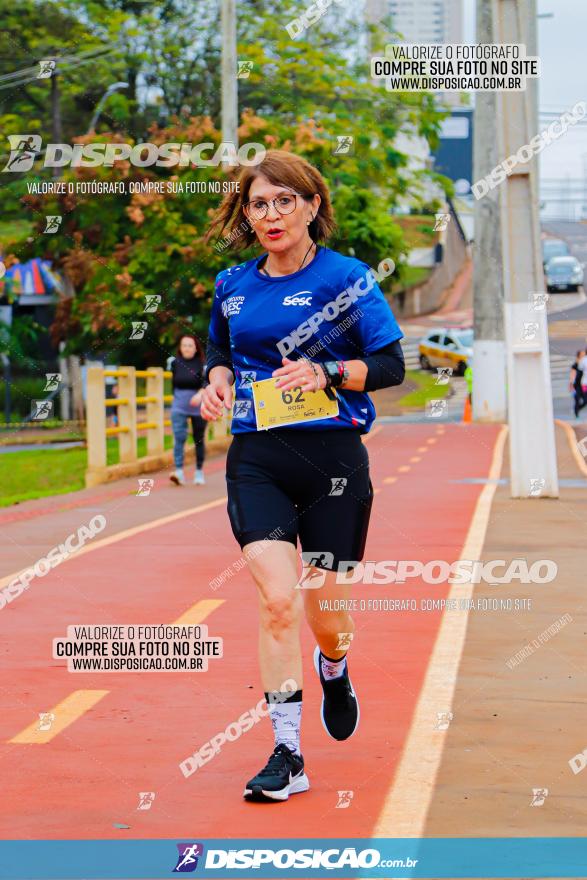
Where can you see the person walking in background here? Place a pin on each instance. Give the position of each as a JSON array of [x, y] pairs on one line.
[[187, 371], [577, 382]]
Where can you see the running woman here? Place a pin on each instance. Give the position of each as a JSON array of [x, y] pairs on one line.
[[187, 370], [310, 478]]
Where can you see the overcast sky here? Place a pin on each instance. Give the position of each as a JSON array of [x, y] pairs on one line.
[[562, 46]]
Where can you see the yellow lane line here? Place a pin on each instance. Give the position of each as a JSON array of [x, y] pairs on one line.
[[136, 530], [416, 458], [199, 612], [79, 702], [390, 479], [408, 800], [65, 713], [128, 533], [404, 468]]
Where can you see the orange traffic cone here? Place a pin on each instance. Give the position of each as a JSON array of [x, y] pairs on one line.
[[467, 412]]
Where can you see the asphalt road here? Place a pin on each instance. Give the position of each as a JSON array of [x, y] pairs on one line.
[[567, 327], [567, 321]]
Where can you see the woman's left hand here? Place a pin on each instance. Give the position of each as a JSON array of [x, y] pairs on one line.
[[196, 399], [301, 373]]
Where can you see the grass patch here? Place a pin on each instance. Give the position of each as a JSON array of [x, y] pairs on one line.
[[43, 472], [10, 438], [418, 229], [427, 390], [15, 230], [411, 275]]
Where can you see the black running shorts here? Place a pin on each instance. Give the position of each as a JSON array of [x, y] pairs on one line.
[[315, 485]]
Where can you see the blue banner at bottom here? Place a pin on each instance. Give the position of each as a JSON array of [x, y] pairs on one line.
[[518, 857]]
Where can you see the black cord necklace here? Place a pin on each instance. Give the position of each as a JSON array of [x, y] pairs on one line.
[[263, 269]]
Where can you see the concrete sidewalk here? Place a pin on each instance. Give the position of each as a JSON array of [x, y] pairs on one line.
[[456, 311], [519, 707], [29, 529]]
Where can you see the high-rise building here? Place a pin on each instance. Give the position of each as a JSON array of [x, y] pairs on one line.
[[421, 21]]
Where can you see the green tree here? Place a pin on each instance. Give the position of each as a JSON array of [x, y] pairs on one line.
[[303, 95]]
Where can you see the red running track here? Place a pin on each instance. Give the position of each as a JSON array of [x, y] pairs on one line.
[[86, 779]]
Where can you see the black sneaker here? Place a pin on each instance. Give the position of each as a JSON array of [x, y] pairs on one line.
[[340, 708], [282, 775]]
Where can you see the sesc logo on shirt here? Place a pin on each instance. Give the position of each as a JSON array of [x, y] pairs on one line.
[[232, 306], [303, 298], [249, 332]]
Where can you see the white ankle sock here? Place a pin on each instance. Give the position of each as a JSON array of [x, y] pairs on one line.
[[286, 718], [332, 668]]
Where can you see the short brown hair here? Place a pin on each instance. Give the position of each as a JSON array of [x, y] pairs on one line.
[[279, 167]]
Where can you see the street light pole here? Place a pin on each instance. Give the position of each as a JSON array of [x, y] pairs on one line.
[[100, 105], [489, 381], [56, 129], [229, 71], [533, 466]]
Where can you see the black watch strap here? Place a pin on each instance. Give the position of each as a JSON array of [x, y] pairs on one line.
[[332, 372]]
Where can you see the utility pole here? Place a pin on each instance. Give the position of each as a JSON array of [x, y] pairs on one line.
[[489, 394], [229, 71], [56, 129], [533, 464]]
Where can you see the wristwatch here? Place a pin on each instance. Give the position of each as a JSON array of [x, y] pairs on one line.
[[336, 373]]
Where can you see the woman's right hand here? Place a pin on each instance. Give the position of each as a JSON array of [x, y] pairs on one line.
[[216, 395]]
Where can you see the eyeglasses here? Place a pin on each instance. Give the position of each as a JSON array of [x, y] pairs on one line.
[[256, 209]]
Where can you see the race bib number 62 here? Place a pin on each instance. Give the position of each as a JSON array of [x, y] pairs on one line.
[[275, 407]]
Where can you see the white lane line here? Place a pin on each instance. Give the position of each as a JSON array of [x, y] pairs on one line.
[[572, 441], [408, 800]]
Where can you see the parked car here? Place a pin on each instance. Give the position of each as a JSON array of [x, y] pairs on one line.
[[553, 247], [447, 347], [563, 273]]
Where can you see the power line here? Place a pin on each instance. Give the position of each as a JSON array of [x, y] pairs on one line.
[[64, 61], [66, 65]]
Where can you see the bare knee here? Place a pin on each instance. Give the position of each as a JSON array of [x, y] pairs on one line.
[[280, 614]]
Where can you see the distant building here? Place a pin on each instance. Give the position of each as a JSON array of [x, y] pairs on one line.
[[454, 156], [421, 21], [376, 10]]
